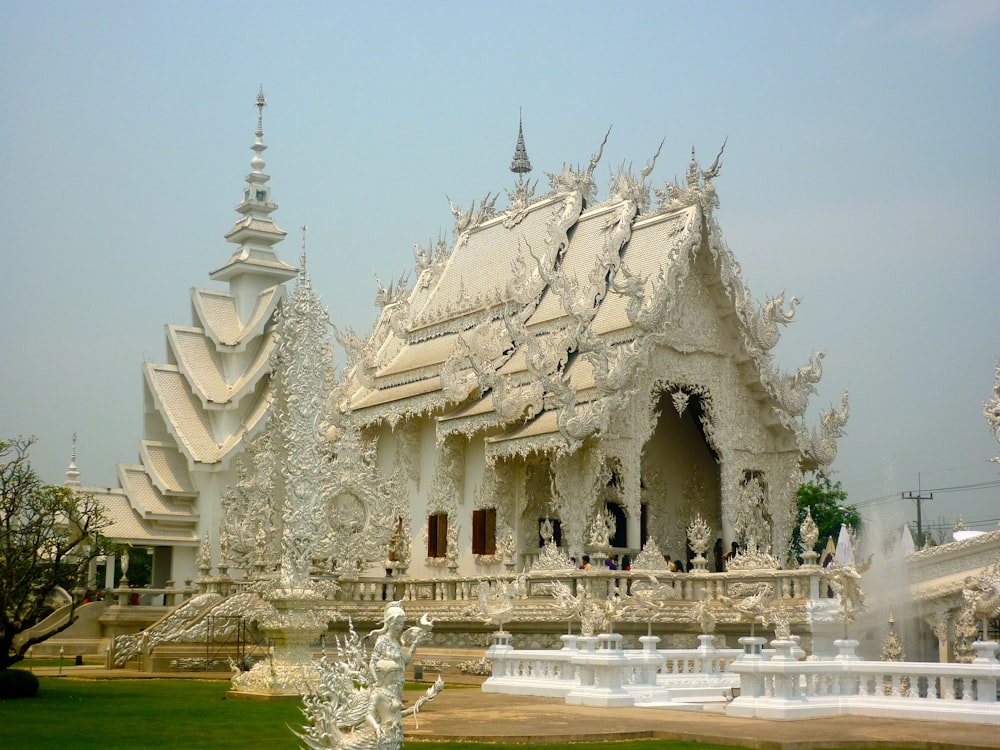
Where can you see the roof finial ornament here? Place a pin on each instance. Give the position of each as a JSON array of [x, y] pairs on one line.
[[302, 259], [261, 103], [257, 161], [520, 165], [72, 474]]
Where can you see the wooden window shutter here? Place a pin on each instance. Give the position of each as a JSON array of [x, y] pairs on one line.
[[490, 532], [479, 532], [437, 535], [484, 531]]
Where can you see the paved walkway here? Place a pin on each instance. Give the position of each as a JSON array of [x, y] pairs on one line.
[[475, 716], [468, 714]]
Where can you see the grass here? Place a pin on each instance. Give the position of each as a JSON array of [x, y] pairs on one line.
[[51, 661], [143, 715], [188, 715]]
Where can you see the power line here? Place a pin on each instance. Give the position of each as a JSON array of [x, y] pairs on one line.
[[875, 501], [882, 479], [967, 487], [881, 499]]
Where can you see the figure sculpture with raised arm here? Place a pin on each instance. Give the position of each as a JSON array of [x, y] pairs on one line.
[[359, 704]]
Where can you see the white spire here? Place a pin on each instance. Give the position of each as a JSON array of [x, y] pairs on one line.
[[520, 164], [256, 233], [72, 475], [257, 162], [302, 259]]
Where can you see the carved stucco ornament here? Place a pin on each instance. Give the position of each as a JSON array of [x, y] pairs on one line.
[[808, 535], [991, 410], [650, 557]]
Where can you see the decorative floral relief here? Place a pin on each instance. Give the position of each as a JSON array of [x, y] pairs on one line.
[[650, 558]]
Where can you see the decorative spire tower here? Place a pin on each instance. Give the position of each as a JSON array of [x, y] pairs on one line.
[[255, 266], [72, 475], [520, 165]]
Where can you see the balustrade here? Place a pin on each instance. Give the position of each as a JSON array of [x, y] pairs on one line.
[[152, 597], [596, 583], [795, 689]]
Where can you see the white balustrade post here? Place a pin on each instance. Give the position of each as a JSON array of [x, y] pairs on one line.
[[498, 653], [846, 646], [567, 672], [584, 669], [649, 659], [752, 648], [602, 685], [708, 654], [986, 652]]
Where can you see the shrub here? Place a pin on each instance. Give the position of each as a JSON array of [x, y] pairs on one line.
[[17, 683]]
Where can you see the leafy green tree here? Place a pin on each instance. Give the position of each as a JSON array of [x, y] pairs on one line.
[[827, 502], [48, 537]]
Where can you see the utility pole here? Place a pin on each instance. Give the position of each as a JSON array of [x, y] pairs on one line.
[[918, 498]]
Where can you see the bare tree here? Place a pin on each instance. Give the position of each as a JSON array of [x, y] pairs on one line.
[[48, 537]]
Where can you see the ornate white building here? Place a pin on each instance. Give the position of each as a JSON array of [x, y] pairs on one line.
[[597, 365], [211, 390], [593, 372], [577, 360]]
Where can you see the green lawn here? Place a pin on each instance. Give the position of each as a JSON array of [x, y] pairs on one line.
[[186, 715]]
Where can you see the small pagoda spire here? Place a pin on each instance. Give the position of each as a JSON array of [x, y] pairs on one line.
[[261, 103], [255, 231], [72, 475], [257, 161], [302, 259], [520, 165]]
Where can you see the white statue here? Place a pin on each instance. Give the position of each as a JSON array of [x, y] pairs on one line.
[[359, 704]]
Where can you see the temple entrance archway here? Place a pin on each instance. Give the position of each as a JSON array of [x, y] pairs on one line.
[[680, 472]]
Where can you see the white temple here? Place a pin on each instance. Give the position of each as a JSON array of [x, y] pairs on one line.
[[570, 377], [565, 359], [210, 391], [570, 359]]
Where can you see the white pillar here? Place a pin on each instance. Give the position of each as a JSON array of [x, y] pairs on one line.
[[633, 531], [109, 571]]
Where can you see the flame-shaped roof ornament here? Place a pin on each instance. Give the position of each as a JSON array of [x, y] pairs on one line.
[[520, 165]]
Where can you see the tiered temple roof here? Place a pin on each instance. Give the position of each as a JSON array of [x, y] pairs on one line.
[[213, 388], [539, 313]]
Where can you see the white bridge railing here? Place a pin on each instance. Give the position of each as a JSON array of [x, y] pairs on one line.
[[784, 688], [595, 670]]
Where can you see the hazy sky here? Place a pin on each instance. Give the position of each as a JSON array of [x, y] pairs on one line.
[[862, 174]]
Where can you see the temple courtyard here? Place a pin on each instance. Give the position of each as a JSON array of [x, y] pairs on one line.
[[469, 715]]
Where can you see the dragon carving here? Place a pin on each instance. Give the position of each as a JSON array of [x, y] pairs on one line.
[[823, 440], [762, 330], [793, 391], [991, 409]]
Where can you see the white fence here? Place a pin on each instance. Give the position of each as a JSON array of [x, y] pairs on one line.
[[596, 671], [776, 684], [784, 688], [799, 584]]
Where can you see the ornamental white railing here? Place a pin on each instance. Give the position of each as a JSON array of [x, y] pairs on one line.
[[773, 684], [784, 688], [802, 583], [595, 670]]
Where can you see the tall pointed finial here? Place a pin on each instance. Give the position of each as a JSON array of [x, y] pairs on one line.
[[72, 475], [520, 165], [302, 260], [261, 103]]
